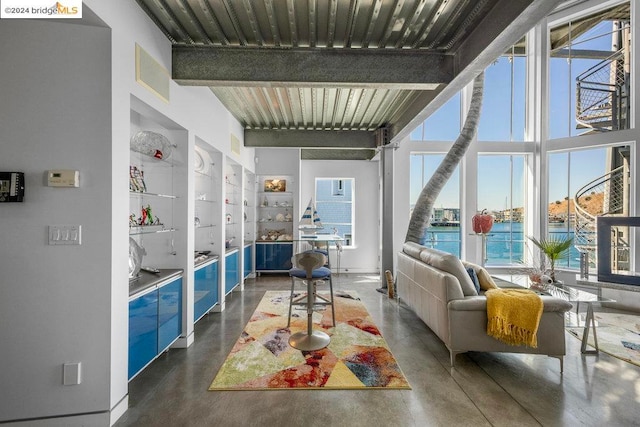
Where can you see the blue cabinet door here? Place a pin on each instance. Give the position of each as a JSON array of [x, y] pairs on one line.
[[143, 331], [247, 261], [232, 271], [273, 256], [205, 290], [169, 313]]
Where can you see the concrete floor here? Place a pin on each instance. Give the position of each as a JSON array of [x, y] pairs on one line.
[[484, 389]]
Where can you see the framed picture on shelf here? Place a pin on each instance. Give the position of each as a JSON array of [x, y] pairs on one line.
[[275, 185]]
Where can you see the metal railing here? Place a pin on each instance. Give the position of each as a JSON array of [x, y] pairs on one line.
[[602, 95], [610, 187]]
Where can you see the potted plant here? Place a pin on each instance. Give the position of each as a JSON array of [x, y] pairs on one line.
[[554, 248]]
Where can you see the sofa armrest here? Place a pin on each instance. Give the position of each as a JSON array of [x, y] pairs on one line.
[[479, 303]]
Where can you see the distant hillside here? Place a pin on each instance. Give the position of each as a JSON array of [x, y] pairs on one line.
[[592, 203]]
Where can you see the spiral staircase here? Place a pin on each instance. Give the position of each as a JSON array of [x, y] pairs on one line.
[[612, 187], [602, 104]]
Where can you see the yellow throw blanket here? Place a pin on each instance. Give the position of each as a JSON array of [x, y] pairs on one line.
[[513, 316]]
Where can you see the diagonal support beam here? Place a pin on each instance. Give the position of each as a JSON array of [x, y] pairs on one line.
[[248, 66], [487, 42]]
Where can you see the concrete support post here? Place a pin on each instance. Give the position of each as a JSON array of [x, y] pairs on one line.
[[386, 217]]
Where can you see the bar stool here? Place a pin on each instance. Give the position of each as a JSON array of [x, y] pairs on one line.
[[309, 267]]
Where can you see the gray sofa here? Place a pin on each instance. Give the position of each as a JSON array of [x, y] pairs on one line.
[[437, 286]]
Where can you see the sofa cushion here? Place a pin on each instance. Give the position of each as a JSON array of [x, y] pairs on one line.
[[412, 249], [450, 264], [484, 278]]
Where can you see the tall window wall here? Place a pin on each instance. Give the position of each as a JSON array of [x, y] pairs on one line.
[[582, 156]]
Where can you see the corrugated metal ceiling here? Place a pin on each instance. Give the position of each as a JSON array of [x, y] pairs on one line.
[[438, 26]]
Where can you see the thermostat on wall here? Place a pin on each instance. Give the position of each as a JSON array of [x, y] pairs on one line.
[[63, 178]]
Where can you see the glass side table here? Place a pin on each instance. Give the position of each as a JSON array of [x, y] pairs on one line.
[[576, 297]]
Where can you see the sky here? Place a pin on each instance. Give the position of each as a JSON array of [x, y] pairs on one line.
[[501, 122]]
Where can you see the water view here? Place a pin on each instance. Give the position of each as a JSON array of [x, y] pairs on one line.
[[505, 242]]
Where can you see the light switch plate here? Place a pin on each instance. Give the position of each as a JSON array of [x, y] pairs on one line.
[[65, 234]]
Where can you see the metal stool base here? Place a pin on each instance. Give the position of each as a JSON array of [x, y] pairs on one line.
[[305, 342]]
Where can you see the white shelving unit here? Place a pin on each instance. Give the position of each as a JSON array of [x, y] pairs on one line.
[[207, 176], [153, 198], [275, 219]]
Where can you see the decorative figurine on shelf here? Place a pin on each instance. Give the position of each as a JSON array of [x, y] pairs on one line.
[[288, 216], [228, 218], [143, 217], [146, 217], [136, 180], [265, 202], [132, 220], [150, 219]]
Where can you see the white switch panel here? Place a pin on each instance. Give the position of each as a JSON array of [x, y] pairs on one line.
[[72, 373], [65, 234]]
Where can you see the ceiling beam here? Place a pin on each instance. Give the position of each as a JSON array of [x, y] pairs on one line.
[[315, 67], [354, 139], [331, 154], [508, 21]]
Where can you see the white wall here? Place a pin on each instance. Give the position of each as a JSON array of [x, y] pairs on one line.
[[363, 256], [55, 306], [66, 96]]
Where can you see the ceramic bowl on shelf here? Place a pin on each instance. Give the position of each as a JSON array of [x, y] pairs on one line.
[[202, 162]]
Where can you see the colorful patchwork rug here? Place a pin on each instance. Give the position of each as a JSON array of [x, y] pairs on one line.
[[618, 335], [358, 357]]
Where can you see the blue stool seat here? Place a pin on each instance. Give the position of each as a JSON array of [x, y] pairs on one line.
[[318, 273]]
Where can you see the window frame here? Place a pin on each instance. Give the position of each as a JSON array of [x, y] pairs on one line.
[[348, 242]]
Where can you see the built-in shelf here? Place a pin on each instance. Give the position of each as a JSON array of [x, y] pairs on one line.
[[149, 229], [146, 194]]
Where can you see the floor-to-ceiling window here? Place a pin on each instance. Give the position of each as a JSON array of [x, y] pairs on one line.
[[564, 155], [590, 106]]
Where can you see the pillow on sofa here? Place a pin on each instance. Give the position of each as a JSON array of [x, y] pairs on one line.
[[474, 278], [451, 264], [484, 278]]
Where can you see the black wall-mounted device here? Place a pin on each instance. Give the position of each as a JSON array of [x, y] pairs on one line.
[[11, 187]]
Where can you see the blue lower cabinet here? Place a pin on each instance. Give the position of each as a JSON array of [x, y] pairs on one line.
[[143, 331], [205, 289], [232, 271], [169, 314], [247, 261], [155, 322], [273, 256]]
